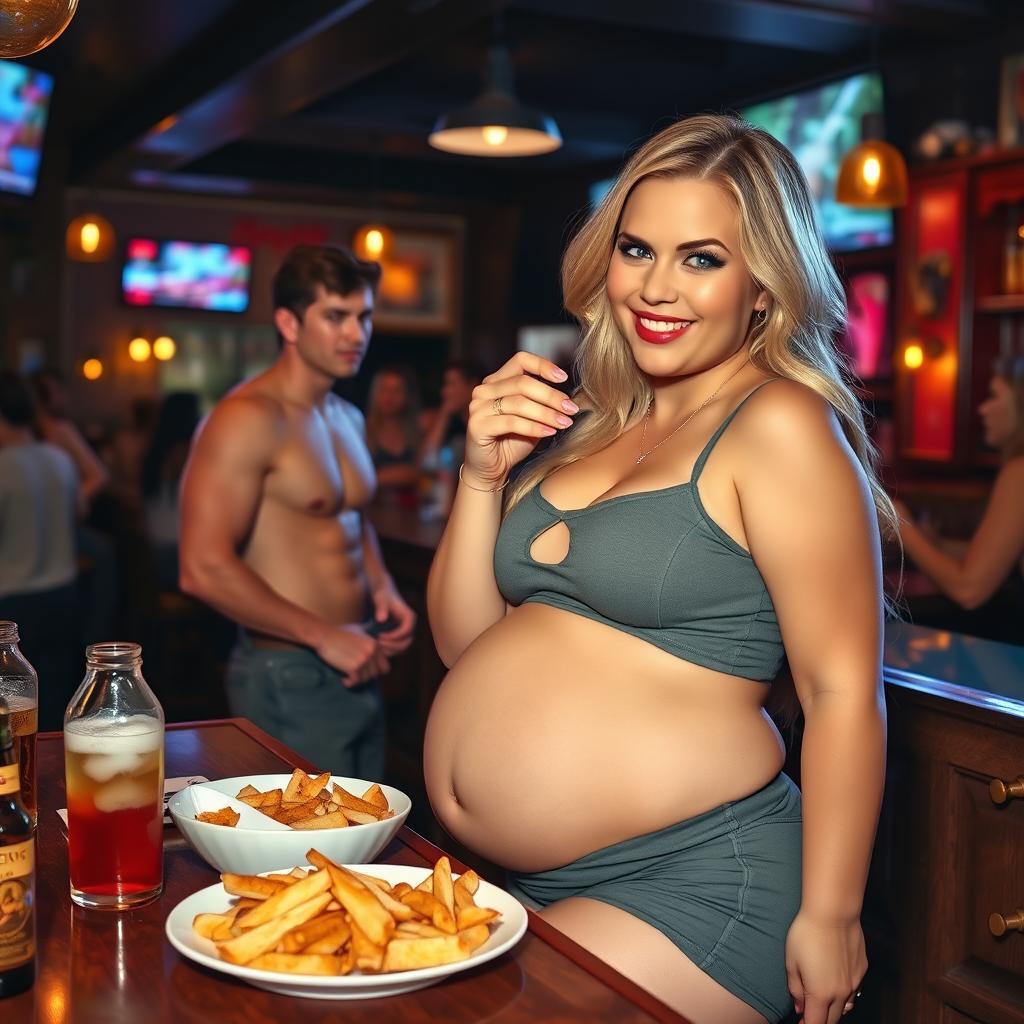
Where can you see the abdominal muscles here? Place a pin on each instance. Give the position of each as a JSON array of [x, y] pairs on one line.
[[555, 735]]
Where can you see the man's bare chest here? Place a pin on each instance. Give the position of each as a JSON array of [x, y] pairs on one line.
[[321, 468]]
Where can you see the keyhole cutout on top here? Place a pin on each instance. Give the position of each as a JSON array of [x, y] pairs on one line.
[[551, 546]]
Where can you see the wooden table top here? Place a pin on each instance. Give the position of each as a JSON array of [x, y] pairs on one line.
[[118, 968]]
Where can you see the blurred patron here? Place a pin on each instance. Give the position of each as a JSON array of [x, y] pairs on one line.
[[162, 466], [38, 499], [394, 429], [970, 574], [53, 424], [448, 429]]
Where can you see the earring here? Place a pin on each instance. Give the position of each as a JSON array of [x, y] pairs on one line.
[[761, 315]]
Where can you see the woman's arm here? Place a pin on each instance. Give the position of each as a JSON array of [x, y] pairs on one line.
[[463, 598], [812, 530], [995, 548]]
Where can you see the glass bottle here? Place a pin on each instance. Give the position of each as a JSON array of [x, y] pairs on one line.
[[19, 687], [114, 772], [17, 872]]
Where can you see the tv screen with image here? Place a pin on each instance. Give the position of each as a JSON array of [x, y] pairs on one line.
[[186, 275], [820, 126], [24, 105]]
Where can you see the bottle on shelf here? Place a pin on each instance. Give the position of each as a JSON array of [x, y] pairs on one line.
[[19, 688], [17, 872], [1013, 252]]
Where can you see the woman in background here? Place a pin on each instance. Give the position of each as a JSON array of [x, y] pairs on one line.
[[971, 576], [394, 431]]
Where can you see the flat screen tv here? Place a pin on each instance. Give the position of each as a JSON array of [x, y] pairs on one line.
[[24, 104], [189, 275], [819, 126]]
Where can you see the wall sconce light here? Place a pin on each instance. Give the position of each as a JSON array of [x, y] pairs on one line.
[[873, 175], [164, 348], [92, 369], [917, 350], [372, 242], [139, 349], [89, 239]]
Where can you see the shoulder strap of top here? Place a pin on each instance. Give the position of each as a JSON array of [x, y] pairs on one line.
[[698, 466]]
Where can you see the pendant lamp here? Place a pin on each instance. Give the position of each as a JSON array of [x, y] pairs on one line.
[[873, 175], [496, 123], [27, 26]]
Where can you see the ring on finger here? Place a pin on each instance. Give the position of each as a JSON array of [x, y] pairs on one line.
[[497, 406], [849, 1006]]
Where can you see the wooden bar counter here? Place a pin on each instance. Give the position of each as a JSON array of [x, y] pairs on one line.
[[118, 968]]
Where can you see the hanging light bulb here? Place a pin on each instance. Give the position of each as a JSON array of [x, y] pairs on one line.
[[873, 175], [496, 123], [92, 369], [372, 242], [27, 26], [139, 349], [164, 348], [89, 239]]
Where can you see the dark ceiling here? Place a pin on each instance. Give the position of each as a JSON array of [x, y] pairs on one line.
[[237, 94]]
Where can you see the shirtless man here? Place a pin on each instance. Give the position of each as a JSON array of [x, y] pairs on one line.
[[273, 532]]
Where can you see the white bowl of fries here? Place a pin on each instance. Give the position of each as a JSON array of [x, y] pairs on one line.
[[255, 823]]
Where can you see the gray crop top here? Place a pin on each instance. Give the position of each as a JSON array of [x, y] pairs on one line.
[[653, 564]]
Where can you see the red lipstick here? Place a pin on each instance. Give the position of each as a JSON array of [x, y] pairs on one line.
[[662, 337]]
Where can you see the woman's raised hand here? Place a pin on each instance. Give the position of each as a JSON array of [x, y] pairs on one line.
[[511, 410]]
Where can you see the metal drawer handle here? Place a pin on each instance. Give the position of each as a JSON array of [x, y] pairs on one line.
[[999, 925], [1002, 791]]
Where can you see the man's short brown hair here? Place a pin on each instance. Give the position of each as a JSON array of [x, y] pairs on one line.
[[307, 267]]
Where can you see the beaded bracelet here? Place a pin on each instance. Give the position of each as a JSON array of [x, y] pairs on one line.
[[483, 490]]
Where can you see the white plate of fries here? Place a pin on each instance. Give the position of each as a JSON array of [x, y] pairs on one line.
[[346, 932]]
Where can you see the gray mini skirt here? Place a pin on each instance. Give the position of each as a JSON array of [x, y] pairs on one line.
[[724, 886]]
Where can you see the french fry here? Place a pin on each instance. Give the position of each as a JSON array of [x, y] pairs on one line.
[[247, 791], [288, 879], [399, 889], [290, 896], [223, 816], [411, 954], [417, 930], [473, 938], [362, 905], [311, 787], [312, 931], [432, 908], [369, 955], [352, 802], [470, 917], [213, 926], [443, 884], [297, 812], [375, 795], [464, 888], [259, 940], [293, 790], [359, 817], [299, 963], [336, 820], [250, 885]]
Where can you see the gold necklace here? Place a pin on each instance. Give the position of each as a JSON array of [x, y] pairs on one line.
[[707, 401]]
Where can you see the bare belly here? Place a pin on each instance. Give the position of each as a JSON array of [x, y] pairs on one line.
[[555, 735]]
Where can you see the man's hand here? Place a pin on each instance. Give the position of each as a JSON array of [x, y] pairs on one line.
[[357, 656], [389, 608]]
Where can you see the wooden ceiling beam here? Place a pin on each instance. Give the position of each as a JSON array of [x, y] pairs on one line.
[[278, 59]]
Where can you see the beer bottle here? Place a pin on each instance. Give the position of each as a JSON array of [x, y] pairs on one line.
[[17, 873], [19, 687]]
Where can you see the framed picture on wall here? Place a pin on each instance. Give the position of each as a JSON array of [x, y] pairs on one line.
[[418, 285], [1011, 101]]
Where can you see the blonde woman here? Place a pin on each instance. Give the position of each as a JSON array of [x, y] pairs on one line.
[[972, 575], [709, 509]]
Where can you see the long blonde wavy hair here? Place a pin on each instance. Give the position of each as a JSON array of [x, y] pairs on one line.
[[783, 248]]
